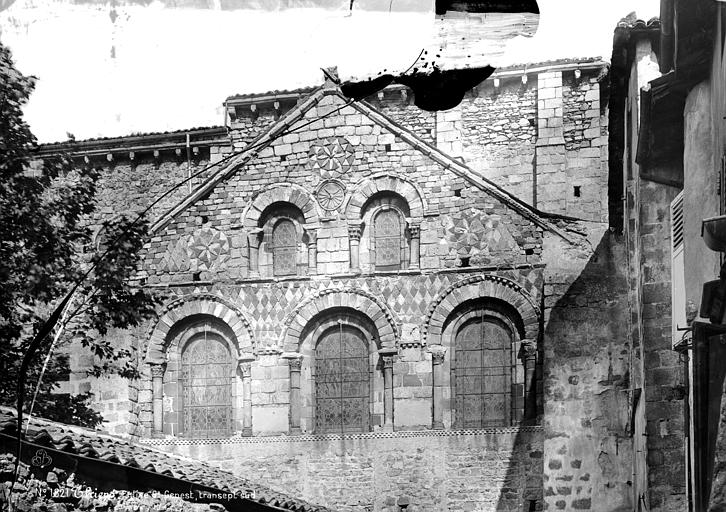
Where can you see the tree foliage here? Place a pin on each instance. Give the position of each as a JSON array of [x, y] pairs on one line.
[[45, 248]]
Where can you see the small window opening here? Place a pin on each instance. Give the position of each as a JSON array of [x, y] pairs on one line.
[[457, 192], [465, 261], [283, 158], [577, 190], [529, 252], [197, 276], [388, 148]]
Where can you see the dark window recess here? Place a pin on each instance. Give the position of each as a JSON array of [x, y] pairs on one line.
[[457, 192], [388, 148], [197, 276], [577, 190], [529, 251], [465, 261], [283, 158]]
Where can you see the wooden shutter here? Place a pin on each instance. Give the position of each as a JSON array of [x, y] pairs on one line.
[[678, 270]]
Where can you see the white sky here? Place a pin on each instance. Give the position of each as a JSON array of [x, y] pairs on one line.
[[174, 67]]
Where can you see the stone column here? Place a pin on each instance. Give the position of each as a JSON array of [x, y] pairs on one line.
[[312, 253], [295, 362], [415, 231], [437, 372], [529, 359], [253, 241], [245, 368], [387, 356], [157, 390], [354, 231]]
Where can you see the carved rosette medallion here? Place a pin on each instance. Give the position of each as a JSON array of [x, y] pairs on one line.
[[331, 157], [473, 233], [330, 195], [208, 249]]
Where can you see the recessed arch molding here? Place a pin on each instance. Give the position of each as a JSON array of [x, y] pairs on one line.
[[385, 183], [476, 287], [355, 298], [198, 304], [283, 192]]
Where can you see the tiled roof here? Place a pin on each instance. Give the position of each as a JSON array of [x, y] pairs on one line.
[[203, 131], [91, 444], [633, 23], [276, 92]]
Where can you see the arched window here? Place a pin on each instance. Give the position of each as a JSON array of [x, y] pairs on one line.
[[387, 229], [384, 244], [207, 370], [482, 371], [281, 235], [284, 248], [342, 381]]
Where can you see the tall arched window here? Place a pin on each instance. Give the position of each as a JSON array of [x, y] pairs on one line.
[[207, 370], [482, 372], [387, 229], [284, 248], [342, 381]]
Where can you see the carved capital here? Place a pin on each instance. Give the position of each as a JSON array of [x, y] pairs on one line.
[[157, 370], [311, 232], [245, 368], [438, 354], [253, 237], [354, 231], [294, 360], [528, 350], [387, 361], [414, 230]]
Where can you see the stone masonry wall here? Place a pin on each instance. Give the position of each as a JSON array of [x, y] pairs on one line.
[[588, 449], [497, 129], [496, 470], [664, 390]]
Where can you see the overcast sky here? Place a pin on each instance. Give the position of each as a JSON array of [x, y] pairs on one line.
[[108, 72]]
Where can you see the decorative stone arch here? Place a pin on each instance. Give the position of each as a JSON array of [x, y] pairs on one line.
[[476, 287], [443, 318], [281, 192], [360, 300], [199, 304], [385, 182]]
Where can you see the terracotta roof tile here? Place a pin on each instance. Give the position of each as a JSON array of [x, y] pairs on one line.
[[93, 444]]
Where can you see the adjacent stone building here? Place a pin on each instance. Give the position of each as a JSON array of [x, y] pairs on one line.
[[366, 304]]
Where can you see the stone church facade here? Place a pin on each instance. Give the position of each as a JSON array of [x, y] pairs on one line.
[[365, 303]]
